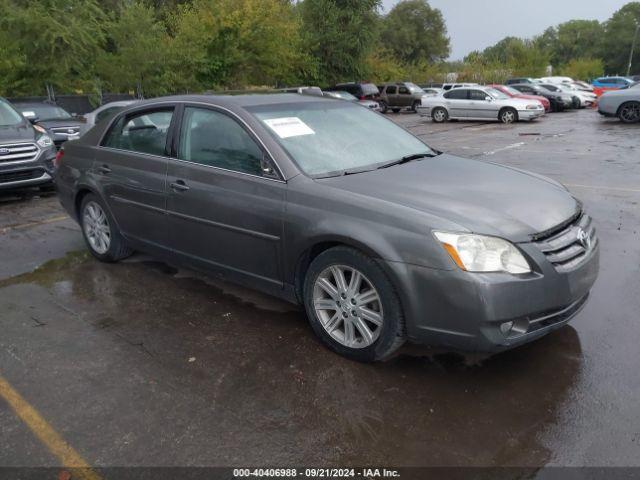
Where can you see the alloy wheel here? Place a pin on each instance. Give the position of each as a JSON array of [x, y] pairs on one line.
[[508, 117], [439, 115], [96, 228], [630, 113], [348, 306]]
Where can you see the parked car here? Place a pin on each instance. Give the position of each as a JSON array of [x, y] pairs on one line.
[[612, 82], [512, 92], [580, 85], [450, 86], [479, 103], [304, 90], [362, 91], [556, 80], [624, 104], [375, 106], [432, 91], [396, 96], [26, 151], [579, 99], [56, 120], [326, 204], [104, 111], [560, 101], [519, 80]]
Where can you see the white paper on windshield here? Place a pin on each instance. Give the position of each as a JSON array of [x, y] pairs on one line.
[[29, 114], [289, 127]]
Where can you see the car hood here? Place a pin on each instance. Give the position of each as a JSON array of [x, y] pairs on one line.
[[483, 197], [71, 122], [17, 133], [533, 97]]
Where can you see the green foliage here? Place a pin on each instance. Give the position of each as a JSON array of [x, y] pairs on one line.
[[415, 33], [618, 37], [50, 41], [339, 35], [511, 56], [583, 68], [572, 40], [135, 58]]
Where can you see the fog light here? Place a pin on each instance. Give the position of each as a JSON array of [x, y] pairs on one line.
[[506, 327]]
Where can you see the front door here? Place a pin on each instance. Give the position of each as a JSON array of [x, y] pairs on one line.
[[225, 203], [131, 167], [480, 106]]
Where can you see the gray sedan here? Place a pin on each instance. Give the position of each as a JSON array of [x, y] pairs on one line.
[[624, 104], [329, 205], [479, 103]]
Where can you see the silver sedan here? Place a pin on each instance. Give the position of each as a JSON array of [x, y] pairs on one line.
[[624, 104], [479, 103]]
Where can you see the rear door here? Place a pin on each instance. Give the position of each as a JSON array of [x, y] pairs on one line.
[[392, 95], [457, 102], [405, 99], [131, 167], [225, 199]]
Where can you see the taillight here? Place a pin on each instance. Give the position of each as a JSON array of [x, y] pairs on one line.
[[362, 97], [58, 160]]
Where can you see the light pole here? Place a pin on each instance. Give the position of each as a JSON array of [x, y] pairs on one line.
[[633, 47]]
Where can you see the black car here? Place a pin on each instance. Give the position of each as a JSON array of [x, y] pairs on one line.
[[56, 120], [558, 104], [26, 151], [362, 91], [518, 80]]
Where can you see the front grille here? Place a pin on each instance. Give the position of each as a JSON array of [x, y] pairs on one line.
[[20, 176], [569, 246], [18, 153], [68, 131]]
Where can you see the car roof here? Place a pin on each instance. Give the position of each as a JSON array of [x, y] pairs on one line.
[[244, 100], [35, 104]]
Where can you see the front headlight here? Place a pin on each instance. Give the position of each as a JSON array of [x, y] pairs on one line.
[[478, 253], [534, 107], [44, 141]]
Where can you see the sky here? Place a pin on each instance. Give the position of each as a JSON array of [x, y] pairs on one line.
[[476, 24]]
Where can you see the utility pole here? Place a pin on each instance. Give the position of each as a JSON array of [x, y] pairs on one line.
[[633, 47]]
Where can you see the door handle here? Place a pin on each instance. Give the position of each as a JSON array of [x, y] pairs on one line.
[[179, 186], [104, 169]]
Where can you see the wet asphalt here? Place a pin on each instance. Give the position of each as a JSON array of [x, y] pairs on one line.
[[141, 363]]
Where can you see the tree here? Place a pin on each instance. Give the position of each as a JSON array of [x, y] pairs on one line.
[[520, 57], [57, 40], [618, 37], [583, 68], [235, 43], [339, 35], [135, 58], [415, 32], [572, 40]]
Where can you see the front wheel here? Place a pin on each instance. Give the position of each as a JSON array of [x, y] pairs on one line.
[[415, 105], [508, 116], [439, 115], [100, 231], [352, 305], [629, 112]]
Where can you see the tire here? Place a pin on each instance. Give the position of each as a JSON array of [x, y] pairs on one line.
[[396, 110], [508, 116], [335, 314], [97, 224], [439, 115], [384, 108], [415, 105], [576, 103], [629, 112]]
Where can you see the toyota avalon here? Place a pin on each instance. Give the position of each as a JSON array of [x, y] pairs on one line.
[[326, 204]]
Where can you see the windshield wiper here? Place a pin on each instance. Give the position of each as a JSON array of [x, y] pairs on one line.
[[409, 158]]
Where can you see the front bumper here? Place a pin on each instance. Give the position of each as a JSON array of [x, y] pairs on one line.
[[464, 311], [530, 114]]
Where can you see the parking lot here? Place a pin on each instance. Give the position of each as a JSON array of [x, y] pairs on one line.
[[140, 363]]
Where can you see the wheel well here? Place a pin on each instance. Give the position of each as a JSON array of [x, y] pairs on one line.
[[78, 200], [507, 108], [626, 103]]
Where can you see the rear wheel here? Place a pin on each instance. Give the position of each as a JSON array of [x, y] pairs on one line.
[[100, 231], [576, 103], [629, 112], [508, 115], [384, 108], [439, 115], [352, 305]]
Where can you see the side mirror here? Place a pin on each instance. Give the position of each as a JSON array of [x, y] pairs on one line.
[[33, 120], [488, 98]]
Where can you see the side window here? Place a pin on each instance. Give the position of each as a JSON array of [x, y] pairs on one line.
[[391, 90], [404, 90], [105, 113], [457, 94], [212, 138], [144, 132], [478, 95]]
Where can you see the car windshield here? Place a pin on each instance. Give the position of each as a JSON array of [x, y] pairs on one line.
[[497, 94], [45, 112], [413, 88], [342, 95], [334, 138], [8, 116]]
